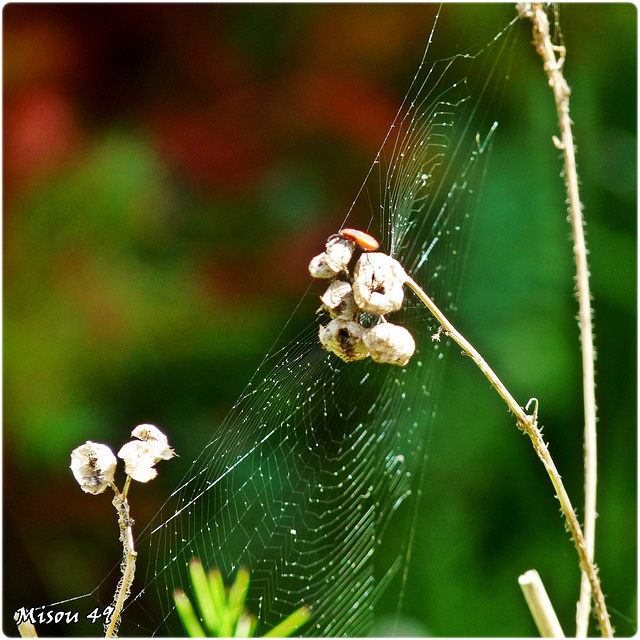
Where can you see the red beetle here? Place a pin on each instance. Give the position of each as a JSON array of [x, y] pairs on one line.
[[362, 239]]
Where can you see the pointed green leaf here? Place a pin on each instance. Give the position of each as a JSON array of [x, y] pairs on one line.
[[245, 626], [239, 590], [203, 597], [237, 597], [216, 587], [219, 596], [188, 615], [291, 624]]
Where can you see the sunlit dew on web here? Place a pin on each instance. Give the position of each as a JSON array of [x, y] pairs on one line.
[[301, 483]]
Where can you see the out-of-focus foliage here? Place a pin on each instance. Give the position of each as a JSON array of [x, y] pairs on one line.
[[168, 172], [219, 612]]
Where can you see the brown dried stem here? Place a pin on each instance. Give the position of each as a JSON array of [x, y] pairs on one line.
[[128, 557], [553, 68], [529, 424]]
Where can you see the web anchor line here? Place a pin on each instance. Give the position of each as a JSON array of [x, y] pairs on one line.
[[303, 478]]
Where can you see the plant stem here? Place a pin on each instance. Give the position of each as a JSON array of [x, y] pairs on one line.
[[470, 350], [529, 424], [561, 91], [27, 630], [128, 556], [540, 606]]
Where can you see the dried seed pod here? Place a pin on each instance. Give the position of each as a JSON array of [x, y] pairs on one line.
[[389, 344], [139, 460], [335, 259], [140, 456], [318, 267], [94, 466], [344, 339], [339, 251], [338, 300], [150, 434], [378, 283]]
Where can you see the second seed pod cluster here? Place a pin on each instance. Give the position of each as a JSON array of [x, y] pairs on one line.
[[373, 289]]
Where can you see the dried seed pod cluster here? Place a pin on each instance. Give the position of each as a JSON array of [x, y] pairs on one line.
[[374, 286], [94, 465]]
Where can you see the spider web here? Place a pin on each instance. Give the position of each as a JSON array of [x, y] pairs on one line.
[[301, 481]]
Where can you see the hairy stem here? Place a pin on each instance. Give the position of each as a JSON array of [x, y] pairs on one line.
[[128, 557], [529, 424], [561, 91]]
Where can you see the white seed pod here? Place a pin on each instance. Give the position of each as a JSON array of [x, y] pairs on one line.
[[378, 283], [389, 344], [139, 460], [156, 439], [339, 251], [336, 258], [338, 300], [140, 456], [344, 339], [94, 466], [318, 267]]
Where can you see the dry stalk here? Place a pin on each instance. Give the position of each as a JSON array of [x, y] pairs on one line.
[[561, 91], [128, 557], [529, 424], [540, 606], [27, 630]]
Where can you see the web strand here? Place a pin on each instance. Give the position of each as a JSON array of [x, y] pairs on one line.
[[302, 482]]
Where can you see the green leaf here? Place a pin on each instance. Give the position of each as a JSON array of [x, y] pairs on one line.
[[291, 624], [188, 615], [237, 597], [246, 626], [216, 586], [219, 596], [224, 614], [206, 605]]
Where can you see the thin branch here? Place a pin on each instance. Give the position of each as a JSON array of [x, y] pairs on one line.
[[128, 557], [27, 630], [529, 424], [561, 91], [540, 606]]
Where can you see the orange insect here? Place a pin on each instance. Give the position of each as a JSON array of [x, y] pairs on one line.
[[362, 239]]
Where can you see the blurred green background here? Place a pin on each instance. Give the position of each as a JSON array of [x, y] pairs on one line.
[[168, 172]]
